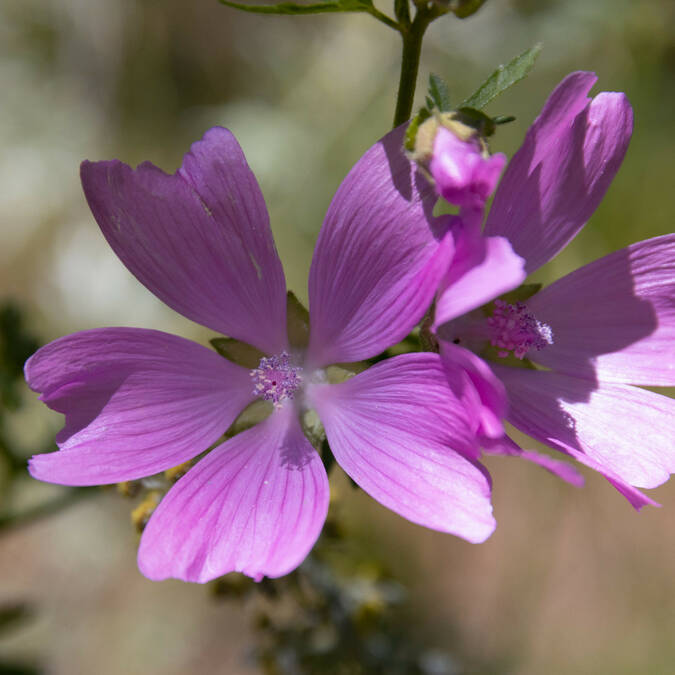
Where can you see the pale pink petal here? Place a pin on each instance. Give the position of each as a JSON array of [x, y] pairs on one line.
[[472, 381], [136, 402], [200, 239], [507, 447], [401, 434], [482, 269], [615, 318], [559, 176], [627, 432], [377, 261], [256, 504]]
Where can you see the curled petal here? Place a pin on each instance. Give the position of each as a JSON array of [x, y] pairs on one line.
[[378, 259], [474, 383], [482, 269], [256, 504], [614, 319], [402, 435], [556, 180], [200, 239], [136, 402]]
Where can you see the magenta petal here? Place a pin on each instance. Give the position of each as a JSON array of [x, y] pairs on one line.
[[482, 269], [481, 392], [462, 175], [559, 176], [136, 402], [256, 504], [200, 239], [377, 262], [627, 432], [615, 318], [505, 446], [402, 435]]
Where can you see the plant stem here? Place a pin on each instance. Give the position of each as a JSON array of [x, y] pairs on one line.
[[412, 36]]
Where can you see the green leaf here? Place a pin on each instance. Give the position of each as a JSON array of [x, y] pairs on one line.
[[466, 8], [438, 94], [503, 119], [503, 78], [297, 8], [237, 352], [413, 127], [477, 119]]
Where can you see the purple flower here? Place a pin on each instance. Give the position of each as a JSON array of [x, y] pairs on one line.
[[138, 402], [597, 332], [465, 175]]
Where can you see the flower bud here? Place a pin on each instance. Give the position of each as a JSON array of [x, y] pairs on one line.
[[455, 155]]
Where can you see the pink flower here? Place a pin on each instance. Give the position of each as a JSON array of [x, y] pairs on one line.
[[597, 332], [463, 172], [138, 402]]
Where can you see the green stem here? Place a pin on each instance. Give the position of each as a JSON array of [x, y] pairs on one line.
[[412, 36]]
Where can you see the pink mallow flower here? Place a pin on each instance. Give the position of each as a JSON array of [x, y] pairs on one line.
[[593, 334], [138, 402]]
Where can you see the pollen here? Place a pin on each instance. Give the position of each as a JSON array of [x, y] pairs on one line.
[[276, 379], [515, 330]]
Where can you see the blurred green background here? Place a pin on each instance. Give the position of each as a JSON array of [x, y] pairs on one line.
[[573, 581]]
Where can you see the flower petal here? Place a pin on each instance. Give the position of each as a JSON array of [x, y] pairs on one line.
[[377, 261], [481, 392], [401, 434], [482, 269], [627, 432], [614, 319], [256, 504], [507, 447], [556, 180], [136, 402], [200, 239]]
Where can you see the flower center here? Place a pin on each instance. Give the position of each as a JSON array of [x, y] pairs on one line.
[[514, 329], [276, 379]]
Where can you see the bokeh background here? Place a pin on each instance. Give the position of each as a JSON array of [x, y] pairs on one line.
[[573, 581]]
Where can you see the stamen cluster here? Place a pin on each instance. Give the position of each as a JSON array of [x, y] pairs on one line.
[[276, 379], [516, 330]]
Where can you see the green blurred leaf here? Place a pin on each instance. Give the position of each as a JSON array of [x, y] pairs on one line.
[[411, 131], [438, 94], [465, 8], [237, 352], [297, 8], [504, 77]]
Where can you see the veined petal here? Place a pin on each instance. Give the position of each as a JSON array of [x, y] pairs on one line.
[[559, 176], [398, 430], [627, 432], [614, 319], [200, 239], [377, 261], [136, 402], [482, 269], [472, 381], [507, 447], [256, 504]]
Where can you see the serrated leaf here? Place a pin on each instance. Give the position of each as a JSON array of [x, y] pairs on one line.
[[438, 93], [297, 8], [504, 77], [413, 127]]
